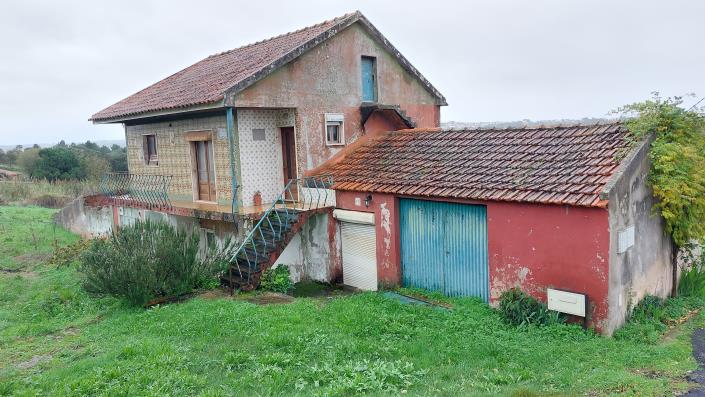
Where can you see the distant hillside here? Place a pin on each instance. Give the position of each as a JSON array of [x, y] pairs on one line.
[[523, 123], [108, 143]]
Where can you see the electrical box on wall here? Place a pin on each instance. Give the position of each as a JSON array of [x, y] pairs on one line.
[[566, 302]]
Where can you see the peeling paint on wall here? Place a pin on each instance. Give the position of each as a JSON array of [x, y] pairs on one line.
[[314, 90], [385, 225]]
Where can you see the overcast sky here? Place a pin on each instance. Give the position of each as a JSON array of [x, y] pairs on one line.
[[494, 60]]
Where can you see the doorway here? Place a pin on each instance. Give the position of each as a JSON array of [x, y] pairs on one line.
[[289, 158], [444, 247], [205, 170]]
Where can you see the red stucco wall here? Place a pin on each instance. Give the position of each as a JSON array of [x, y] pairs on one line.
[[384, 207], [537, 246], [378, 123], [336, 88], [531, 246]]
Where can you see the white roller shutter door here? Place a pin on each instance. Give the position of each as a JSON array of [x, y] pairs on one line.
[[359, 255]]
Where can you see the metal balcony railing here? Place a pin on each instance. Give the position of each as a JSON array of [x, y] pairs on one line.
[[148, 190]]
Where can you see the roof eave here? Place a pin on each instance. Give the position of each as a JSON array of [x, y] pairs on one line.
[[158, 113]]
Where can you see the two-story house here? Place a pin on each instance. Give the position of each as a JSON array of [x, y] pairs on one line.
[[215, 145]]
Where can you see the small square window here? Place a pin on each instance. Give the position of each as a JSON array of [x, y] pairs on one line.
[[150, 150], [258, 134], [334, 129]]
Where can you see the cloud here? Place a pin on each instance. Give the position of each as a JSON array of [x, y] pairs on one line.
[[493, 60]]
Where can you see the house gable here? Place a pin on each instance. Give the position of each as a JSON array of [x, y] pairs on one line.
[[215, 79], [315, 91]]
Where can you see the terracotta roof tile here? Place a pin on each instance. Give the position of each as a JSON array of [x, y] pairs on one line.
[[557, 165], [209, 80]]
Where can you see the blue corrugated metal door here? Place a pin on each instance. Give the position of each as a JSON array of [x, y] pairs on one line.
[[444, 247], [369, 93]]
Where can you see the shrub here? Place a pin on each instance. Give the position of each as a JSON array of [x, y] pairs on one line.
[[276, 279], [148, 260], [520, 309], [677, 157]]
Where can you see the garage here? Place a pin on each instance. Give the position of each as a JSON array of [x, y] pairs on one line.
[[444, 247], [358, 238]]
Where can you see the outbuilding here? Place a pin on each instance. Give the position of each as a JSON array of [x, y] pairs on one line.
[[475, 212]]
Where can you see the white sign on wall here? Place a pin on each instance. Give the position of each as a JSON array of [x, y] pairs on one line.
[[626, 239], [566, 302]]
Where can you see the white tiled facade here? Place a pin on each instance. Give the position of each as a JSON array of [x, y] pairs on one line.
[[261, 161]]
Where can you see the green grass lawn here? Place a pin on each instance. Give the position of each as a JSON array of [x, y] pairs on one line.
[[57, 340]]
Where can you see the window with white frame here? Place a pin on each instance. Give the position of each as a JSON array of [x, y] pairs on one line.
[[334, 129]]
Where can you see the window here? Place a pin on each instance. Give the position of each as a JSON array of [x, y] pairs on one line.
[[334, 129], [369, 79], [150, 150]]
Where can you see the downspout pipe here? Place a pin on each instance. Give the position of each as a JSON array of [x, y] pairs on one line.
[[230, 123]]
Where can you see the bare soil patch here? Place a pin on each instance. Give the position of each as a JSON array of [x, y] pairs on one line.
[[19, 272], [219, 293], [269, 298], [34, 361]]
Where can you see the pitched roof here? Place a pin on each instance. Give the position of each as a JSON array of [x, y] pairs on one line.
[[210, 80], [557, 165]]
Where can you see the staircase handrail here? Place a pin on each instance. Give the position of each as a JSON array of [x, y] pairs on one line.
[[319, 182]]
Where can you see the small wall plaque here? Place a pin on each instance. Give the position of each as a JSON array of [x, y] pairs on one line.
[[566, 302], [258, 134]]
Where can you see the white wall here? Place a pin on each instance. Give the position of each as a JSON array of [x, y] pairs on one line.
[[308, 255]]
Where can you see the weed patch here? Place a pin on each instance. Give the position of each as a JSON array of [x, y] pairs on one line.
[[276, 279], [520, 309], [653, 316]]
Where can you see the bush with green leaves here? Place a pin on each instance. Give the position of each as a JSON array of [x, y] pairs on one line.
[[149, 260], [276, 279], [520, 309], [677, 168]]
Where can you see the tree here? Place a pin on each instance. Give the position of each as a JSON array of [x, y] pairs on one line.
[[27, 160], [58, 163], [677, 155], [118, 159], [93, 164]]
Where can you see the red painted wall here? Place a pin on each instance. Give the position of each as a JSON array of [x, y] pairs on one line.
[[536, 246], [379, 123], [531, 246], [384, 206]]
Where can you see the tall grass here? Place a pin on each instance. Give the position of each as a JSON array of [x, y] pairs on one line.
[[44, 193]]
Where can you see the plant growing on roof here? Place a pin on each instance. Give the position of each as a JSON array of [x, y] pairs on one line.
[[677, 156]]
